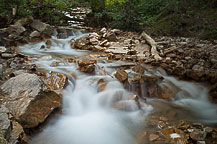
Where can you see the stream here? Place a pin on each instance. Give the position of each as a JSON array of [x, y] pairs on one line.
[[89, 116]]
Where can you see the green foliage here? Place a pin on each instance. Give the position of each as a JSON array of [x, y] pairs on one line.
[[48, 10]]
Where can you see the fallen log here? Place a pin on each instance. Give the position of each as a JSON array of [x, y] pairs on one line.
[[170, 50], [153, 45]]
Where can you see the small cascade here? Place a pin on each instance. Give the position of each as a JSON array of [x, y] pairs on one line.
[[109, 114]]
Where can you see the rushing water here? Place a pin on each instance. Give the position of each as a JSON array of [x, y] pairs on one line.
[[89, 117]]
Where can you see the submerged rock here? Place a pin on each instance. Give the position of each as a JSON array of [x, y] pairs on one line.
[[29, 99], [1, 71]]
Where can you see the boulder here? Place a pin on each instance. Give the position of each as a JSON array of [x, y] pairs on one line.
[[42, 27], [15, 29], [29, 99]]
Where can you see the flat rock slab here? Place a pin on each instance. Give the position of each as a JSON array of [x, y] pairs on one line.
[[29, 99]]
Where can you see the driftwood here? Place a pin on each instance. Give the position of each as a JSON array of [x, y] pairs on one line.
[[171, 50], [153, 45]]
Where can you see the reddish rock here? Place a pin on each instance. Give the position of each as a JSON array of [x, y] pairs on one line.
[[55, 81], [167, 132], [121, 75], [139, 69], [87, 66]]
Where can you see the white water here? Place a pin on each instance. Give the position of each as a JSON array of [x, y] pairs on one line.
[[89, 117]]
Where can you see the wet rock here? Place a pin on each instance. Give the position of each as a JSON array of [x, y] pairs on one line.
[[29, 100], [139, 69], [81, 43], [125, 105], [35, 34], [5, 124], [102, 83], [198, 135], [62, 33], [166, 91], [15, 29], [153, 137], [55, 81], [87, 66], [121, 75], [167, 132]]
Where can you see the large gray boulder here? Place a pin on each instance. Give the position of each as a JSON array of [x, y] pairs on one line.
[[42, 27], [29, 99]]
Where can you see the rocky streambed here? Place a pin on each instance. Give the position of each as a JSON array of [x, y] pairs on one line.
[[105, 86]]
